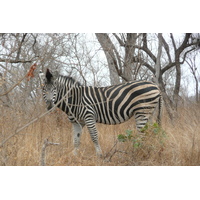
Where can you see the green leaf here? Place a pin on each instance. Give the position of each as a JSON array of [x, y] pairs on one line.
[[156, 130], [155, 125], [137, 144], [129, 134], [144, 128], [121, 138]]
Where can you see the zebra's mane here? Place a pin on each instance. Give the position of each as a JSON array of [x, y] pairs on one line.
[[71, 80]]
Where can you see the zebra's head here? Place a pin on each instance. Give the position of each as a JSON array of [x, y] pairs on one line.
[[49, 89]]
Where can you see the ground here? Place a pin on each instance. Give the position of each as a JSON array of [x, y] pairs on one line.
[[176, 144]]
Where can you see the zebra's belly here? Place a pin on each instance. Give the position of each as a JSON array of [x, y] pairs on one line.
[[115, 119]]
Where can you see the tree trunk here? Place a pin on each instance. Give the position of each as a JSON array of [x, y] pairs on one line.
[[129, 55], [111, 56], [197, 90], [158, 76], [177, 84]]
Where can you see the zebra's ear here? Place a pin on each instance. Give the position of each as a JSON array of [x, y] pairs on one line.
[[49, 75]]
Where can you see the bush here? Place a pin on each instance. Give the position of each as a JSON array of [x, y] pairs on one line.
[[149, 131]]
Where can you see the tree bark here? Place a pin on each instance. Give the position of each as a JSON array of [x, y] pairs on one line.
[[178, 66], [158, 76], [192, 64], [129, 56], [111, 56]]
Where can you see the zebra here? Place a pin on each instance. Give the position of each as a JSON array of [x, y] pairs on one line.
[[88, 105]]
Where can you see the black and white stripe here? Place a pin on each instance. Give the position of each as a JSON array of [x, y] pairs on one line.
[[108, 105]]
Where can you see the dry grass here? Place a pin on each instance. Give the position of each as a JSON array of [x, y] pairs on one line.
[[180, 145]]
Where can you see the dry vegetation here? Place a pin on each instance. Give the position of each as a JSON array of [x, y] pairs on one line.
[[179, 145], [80, 55]]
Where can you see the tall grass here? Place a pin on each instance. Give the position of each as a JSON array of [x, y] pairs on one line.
[[178, 144]]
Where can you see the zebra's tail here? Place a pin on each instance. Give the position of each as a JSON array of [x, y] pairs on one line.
[[159, 110]]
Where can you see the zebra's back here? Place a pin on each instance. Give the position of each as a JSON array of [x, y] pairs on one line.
[[118, 103]]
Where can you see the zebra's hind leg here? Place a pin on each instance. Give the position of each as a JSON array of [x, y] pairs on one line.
[[91, 125], [141, 120], [77, 129]]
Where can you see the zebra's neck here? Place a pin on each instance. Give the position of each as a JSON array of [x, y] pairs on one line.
[[67, 89]]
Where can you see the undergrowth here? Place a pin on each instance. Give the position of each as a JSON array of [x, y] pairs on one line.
[[173, 144]]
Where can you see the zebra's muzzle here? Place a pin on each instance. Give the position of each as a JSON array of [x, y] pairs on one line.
[[49, 105]]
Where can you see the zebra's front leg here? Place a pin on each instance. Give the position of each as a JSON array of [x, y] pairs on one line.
[[91, 125], [77, 131]]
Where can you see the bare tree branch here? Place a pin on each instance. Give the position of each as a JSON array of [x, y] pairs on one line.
[[147, 51], [13, 87], [173, 41], [119, 40], [15, 61], [166, 46], [20, 46], [140, 60], [36, 118]]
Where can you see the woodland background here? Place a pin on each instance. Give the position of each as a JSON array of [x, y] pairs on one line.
[[170, 60]]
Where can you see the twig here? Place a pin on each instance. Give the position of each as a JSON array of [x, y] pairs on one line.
[[29, 74], [43, 153], [26, 125], [13, 86], [111, 148], [115, 151], [34, 120]]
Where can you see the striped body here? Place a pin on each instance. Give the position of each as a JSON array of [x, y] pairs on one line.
[[113, 104], [108, 105]]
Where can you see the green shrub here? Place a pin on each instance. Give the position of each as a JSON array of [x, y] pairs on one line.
[[150, 131]]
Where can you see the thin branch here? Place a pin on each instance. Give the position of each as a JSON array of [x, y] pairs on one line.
[[20, 46], [135, 59], [43, 153], [15, 61], [184, 57], [13, 86], [7, 70], [119, 40], [170, 65], [147, 51], [111, 148], [184, 43], [173, 42], [23, 127], [36, 118]]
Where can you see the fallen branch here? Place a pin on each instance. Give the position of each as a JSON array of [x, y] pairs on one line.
[[111, 148], [115, 151], [43, 153]]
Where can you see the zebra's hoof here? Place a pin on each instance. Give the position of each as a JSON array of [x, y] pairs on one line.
[[75, 152], [99, 155]]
